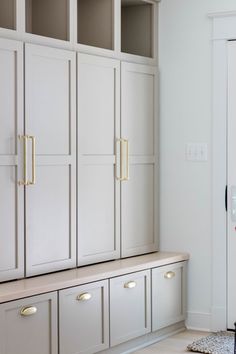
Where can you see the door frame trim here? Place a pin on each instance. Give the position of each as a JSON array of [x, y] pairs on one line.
[[224, 29]]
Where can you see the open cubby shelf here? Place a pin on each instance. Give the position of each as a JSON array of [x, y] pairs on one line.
[[95, 23], [49, 18], [137, 27], [8, 14]]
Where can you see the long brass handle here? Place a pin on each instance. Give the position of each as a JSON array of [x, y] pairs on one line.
[[120, 177], [33, 180], [169, 275], [28, 311], [130, 285], [24, 182], [84, 297]]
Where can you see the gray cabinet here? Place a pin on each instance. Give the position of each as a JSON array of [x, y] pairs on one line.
[[130, 309], [99, 190], [12, 194], [29, 326], [139, 208], [50, 117], [168, 295], [84, 319]]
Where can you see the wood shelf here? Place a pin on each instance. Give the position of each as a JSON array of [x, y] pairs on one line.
[[51, 282]]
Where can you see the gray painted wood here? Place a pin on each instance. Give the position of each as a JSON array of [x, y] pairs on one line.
[[35, 334], [130, 309], [168, 295], [84, 325], [98, 128], [50, 116], [139, 207], [12, 195]]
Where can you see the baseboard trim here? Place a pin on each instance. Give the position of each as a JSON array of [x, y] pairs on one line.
[[146, 340], [198, 321]]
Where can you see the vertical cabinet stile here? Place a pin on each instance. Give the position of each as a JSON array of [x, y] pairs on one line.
[[50, 116], [12, 195]]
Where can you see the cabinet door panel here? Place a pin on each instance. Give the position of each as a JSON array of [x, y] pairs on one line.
[[168, 295], [99, 191], [96, 105], [139, 212], [97, 195], [51, 118], [138, 107], [130, 315], [49, 218], [90, 335], [12, 195], [35, 334], [48, 73]]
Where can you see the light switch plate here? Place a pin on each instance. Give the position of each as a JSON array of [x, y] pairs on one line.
[[196, 152]]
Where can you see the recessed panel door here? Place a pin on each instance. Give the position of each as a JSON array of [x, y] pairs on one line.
[[98, 128], [139, 128], [29, 326], [130, 309], [84, 319], [12, 194], [50, 127]]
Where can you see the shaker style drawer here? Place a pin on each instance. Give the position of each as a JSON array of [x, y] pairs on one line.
[[168, 295], [84, 319], [129, 307], [29, 326]]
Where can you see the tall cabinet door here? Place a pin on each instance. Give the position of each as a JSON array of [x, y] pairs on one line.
[[98, 127], [139, 127], [12, 194], [50, 117]]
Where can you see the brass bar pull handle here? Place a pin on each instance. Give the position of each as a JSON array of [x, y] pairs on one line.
[[127, 160], [24, 182], [120, 177], [130, 285], [33, 180], [169, 275], [28, 311], [84, 297]]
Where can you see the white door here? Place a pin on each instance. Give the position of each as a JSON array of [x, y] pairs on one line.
[[50, 117], [231, 184], [139, 129], [98, 128], [12, 194]]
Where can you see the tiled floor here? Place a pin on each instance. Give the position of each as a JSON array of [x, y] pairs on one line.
[[174, 344]]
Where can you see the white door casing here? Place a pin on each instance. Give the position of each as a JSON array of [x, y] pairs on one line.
[[224, 29]]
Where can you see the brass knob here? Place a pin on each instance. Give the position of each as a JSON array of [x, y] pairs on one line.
[[28, 311], [169, 275], [84, 297], [130, 285]]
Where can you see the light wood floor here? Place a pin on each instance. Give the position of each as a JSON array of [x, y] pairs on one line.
[[174, 344]]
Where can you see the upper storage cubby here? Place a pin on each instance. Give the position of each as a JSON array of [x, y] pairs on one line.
[[137, 17], [49, 18], [96, 23], [8, 14]]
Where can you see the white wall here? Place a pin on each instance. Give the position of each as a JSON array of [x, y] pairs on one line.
[[186, 116]]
